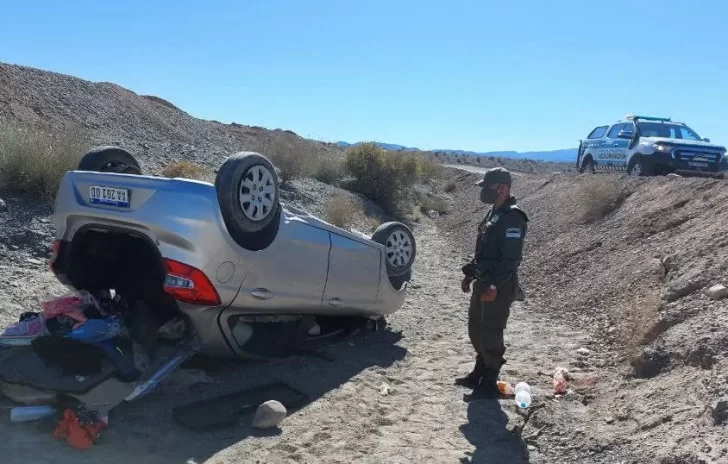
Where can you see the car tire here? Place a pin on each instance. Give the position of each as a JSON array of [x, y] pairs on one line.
[[252, 221], [638, 168], [109, 159], [400, 247], [588, 166]]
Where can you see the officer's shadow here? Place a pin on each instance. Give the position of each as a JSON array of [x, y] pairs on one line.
[[487, 430]]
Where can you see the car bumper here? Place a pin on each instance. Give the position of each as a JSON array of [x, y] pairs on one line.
[[705, 168]]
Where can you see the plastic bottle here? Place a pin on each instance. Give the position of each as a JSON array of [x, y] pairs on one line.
[[523, 386], [523, 399], [523, 395], [30, 413]]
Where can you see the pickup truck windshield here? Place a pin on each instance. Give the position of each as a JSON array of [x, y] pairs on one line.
[[660, 129]]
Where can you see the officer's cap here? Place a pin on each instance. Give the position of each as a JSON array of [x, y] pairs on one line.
[[497, 175]]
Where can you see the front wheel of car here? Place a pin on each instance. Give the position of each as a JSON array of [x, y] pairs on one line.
[[109, 159], [400, 248], [638, 168], [248, 194]]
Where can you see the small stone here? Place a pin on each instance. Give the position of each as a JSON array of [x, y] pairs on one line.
[[384, 389], [34, 261], [583, 352], [718, 292], [669, 263], [609, 420], [269, 415], [3, 206]]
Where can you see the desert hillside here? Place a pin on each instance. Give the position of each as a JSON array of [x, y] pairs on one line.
[[617, 273]]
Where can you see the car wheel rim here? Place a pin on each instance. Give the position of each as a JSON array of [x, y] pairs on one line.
[[257, 193], [636, 169], [399, 249]]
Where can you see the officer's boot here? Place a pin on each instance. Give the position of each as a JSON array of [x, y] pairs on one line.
[[487, 388], [473, 379]]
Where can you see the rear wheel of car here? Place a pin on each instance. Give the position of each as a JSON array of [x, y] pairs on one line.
[[248, 193], [109, 159], [399, 247]]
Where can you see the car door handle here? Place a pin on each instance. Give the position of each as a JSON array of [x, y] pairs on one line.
[[335, 302], [261, 294]]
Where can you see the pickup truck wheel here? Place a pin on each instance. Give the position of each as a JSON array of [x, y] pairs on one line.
[[247, 191], [109, 159], [638, 168], [400, 247], [588, 166]]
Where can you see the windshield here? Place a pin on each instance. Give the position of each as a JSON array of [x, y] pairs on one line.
[[673, 131]]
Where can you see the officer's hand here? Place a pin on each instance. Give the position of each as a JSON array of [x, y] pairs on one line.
[[489, 295], [465, 284]]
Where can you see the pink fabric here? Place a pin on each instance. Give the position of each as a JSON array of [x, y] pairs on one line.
[[65, 306]]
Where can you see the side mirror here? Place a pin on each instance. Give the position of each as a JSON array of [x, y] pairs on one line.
[[706, 139], [624, 134]]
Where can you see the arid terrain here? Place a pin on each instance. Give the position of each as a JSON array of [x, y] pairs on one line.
[[616, 274]]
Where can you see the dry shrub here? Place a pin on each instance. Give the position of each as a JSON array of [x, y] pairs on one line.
[[384, 176], [187, 170], [434, 204], [451, 187], [330, 170], [599, 196], [34, 162], [340, 211], [294, 157]]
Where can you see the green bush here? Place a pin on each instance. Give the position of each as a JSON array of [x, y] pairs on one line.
[[34, 162]]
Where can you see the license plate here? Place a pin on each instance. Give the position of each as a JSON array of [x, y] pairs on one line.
[[697, 165], [108, 196]]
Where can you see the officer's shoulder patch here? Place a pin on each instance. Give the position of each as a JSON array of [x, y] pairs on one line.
[[513, 232]]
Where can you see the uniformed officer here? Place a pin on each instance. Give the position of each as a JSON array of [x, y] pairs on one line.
[[494, 274]]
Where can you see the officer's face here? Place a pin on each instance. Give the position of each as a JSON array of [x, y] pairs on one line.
[[489, 194]]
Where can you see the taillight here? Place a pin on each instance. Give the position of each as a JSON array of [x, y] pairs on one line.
[[188, 284], [54, 255]]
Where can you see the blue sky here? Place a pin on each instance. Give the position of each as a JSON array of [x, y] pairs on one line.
[[478, 75]]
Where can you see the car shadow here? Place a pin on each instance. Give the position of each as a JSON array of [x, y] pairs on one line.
[[487, 431], [145, 430]]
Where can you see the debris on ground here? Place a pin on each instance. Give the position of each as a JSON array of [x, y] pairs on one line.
[[269, 415], [718, 292], [561, 377]]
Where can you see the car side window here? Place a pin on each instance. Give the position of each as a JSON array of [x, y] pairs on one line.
[[598, 132], [687, 134], [628, 126], [615, 130]]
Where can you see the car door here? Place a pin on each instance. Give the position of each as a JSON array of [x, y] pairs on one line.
[[354, 274], [290, 275], [613, 148]]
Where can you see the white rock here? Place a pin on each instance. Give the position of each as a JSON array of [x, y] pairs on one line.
[[718, 292], [269, 415], [583, 352], [384, 389], [3, 206]]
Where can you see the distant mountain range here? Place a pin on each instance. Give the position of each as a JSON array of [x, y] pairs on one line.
[[564, 155]]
